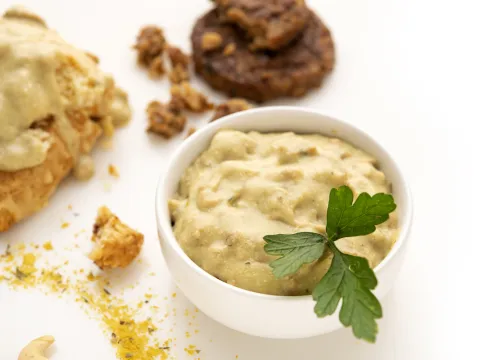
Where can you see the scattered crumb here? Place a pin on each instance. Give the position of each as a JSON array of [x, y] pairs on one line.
[[174, 295], [178, 74], [231, 106], [48, 246], [69, 207], [164, 120], [192, 350], [177, 57], [113, 171], [211, 41], [189, 98], [65, 225], [150, 46], [116, 244], [191, 131]]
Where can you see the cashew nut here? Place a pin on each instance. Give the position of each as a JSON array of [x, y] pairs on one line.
[[36, 349]]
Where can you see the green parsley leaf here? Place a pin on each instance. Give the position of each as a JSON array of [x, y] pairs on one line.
[[295, 250], [351, 279], [346, 220]]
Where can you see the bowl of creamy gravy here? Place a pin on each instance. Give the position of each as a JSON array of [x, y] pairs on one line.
[[268, 171]]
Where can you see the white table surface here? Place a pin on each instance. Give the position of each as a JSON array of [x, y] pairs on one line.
[[407, 72]]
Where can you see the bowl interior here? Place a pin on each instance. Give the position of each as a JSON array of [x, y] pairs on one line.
[[279, 119]]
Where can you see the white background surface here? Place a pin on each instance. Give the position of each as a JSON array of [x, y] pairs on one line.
[[407, 72]]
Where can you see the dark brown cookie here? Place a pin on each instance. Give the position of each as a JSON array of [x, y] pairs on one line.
[[271, 24], [231, 67]]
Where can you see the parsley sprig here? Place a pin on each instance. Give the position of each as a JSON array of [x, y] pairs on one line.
[[349, 277]]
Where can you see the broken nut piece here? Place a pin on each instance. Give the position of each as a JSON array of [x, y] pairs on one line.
[[211, 41], [116, 244]]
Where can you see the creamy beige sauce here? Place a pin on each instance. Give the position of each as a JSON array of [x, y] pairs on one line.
[[248, 185], [35, 84]]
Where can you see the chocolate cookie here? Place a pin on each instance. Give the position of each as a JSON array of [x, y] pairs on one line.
[[271, 24], [231, 67]]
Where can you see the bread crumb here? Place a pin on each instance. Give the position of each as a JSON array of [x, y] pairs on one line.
[[150, 46], [65, 225], [48, 246], [112, 171], [116, 244]]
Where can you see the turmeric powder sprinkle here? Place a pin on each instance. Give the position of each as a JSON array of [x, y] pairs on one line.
[[132, 336]]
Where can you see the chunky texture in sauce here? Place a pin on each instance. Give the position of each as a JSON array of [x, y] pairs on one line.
[[248, 185]]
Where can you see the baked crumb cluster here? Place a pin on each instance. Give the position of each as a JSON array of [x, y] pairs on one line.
[[168, 118], [116, 244], [229, 107], [150, 47], [165, 119]]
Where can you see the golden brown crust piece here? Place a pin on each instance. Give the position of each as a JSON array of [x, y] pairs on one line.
[[116, 244], [26, 191]]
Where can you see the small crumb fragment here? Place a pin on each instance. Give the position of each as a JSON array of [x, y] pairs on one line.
[[211, 41], [65, 225], [189, 98], [229, 49], [112, 171], [230, 107], [178, 74], [164, 119], [84, 168], [191, 131], [150, 46], [177, 56], [179, 65], [48, 246], [116, 244]]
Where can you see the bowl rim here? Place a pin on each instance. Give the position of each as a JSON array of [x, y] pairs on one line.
[[230, 120]]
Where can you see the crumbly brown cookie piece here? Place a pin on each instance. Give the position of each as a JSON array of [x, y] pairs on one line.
[[271, 24], [262, 76], [116, 244], [177, 56], [150, 47], [165, 119], [179, 62], [184, 96], [229, 107]]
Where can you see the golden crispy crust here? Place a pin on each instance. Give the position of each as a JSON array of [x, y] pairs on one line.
[[116, 244], [26, 191]]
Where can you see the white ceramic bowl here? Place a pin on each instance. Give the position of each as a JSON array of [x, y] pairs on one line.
[[249, 312]]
